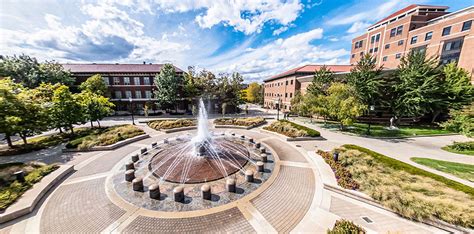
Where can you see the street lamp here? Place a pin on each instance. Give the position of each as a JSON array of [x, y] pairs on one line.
[[371, 108], [278, 108], [131, 109]]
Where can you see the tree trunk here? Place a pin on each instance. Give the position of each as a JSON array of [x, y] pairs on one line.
[[435, 116], [98, 123], [60, 130], [342, 126], [92, 125], [9, 139], [23, 137], [72, 129]]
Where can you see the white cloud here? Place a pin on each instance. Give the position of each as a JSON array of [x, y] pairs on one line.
[[358, 27], [282, 54], [279, 30], [352, 15]]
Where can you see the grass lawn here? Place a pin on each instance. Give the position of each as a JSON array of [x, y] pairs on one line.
[[291, 129], [10, 189], [466, 148], [410, 191], [461, 170], [383, 131]]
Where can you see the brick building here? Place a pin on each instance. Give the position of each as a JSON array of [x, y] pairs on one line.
[[282, 87], [124, 81], [419, 27]]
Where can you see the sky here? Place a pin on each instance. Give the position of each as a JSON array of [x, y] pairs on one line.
[[257, 38]]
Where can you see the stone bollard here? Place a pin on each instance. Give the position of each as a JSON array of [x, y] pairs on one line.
[[263, 157], [143, 150], [178, 194], [251, 140], [137, 184], [257, 145], [154, 144], [230, 185], [206, 192], [154, 190], [135, 158], [249, 176], [130, 175], [233, 134], [20, 176], [242, 137], [260, 167], [129, 166], [263, 150]]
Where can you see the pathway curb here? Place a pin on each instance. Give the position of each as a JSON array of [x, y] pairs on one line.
[[293, 138], [28, 201]]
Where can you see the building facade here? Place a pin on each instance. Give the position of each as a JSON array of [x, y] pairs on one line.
[[432, 29], [125, 82], [281, 88]]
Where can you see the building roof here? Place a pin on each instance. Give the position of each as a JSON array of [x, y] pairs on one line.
[[311, 69], [404, 10], [103, 68]]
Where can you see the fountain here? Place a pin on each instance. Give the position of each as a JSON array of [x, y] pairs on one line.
[[217, 168]]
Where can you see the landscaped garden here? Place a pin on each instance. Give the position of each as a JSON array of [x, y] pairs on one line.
[[87, 138], [345, 226], [466, 148], [171, 123], [412, 192], [246, 122], [11, 189], [461, 170], [291, 129]]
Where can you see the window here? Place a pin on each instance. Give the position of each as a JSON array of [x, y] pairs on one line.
[[116, 81], [399, 29], [452, 45], [286, 95], [387, 46], [400, 42], [353, 55], [291, 82], [376, 49], [291, 95], [414, 39], [118, 94], [138, 94], [446, 31], [384, 58], [372, 40], [377, 38], [371, 50], [106, 80], [136, 80], [361, 53], [466, 25], [128, 94], [428, 36], [286, 83], [392, 32], [397, 56], [126, 80]]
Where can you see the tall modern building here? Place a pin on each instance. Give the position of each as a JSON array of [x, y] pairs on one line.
[[419, 27], [124, 81]]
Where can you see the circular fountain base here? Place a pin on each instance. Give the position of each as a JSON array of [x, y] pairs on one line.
[[179, 165]]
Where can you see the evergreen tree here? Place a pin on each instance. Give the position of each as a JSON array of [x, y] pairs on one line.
[[322, 79], [168, 86]]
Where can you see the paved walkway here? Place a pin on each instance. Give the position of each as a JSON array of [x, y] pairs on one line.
[[293, 199]]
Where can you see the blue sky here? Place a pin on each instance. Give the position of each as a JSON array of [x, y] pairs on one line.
[[257, 38]]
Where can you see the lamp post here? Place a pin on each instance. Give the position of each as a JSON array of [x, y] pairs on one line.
[[371, 108], [278, 108], [131, 109]]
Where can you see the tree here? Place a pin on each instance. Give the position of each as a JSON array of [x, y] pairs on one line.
[[343, 105], [418, 88], [254, 92], [367, 81], [298, 105], [168, 85], [9, 111], [29, 72], [462, 121], [33, 116], [228, 89], [96, 107], [458, 87], [66, 109], [322, 79], [95, 84]]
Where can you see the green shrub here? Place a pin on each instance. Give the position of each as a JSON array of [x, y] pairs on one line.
[[346, 227], [463, 146], [291, 129], [173, 123], [250, 121], [343, 176], [462, 121]]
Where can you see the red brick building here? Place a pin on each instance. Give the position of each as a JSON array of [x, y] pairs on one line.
[[282, 87], [419, 27], [124, 81]]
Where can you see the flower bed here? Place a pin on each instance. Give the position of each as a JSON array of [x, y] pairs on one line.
[[247, 122], [291, 129], [103, 136], [410, 191], [343, 176], [11, 189], [171, 123], [345, 226]]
